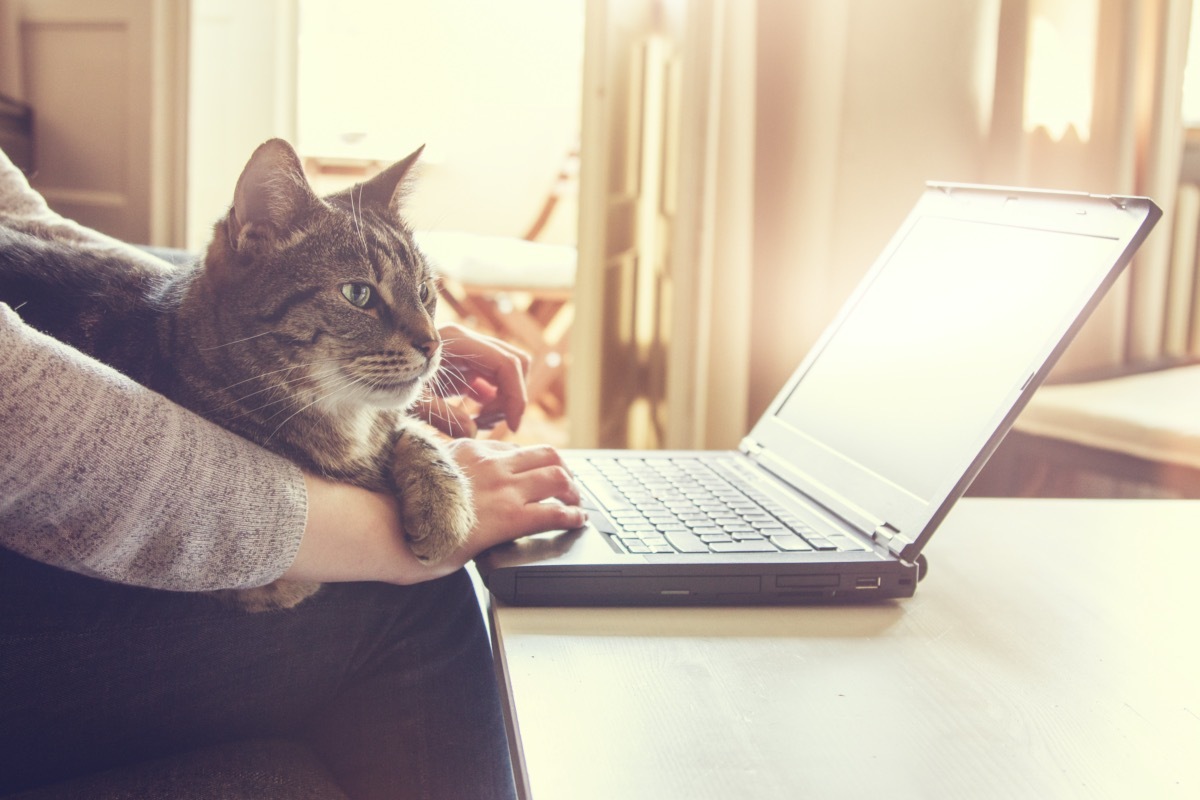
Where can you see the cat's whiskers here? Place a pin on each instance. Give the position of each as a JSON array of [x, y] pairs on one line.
[[432, 407], [284, 369], [435, 392], [237, 341], [349, 384], [451, 378], [356, 217], [277, 386], [454, 340], [289, 397], [280, 384], [445, 388], [343, 384], [469, 357]]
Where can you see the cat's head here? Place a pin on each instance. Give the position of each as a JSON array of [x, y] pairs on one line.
[[330, 292]]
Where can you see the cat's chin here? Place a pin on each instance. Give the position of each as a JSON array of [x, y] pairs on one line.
[[399, 396], [393, 399]]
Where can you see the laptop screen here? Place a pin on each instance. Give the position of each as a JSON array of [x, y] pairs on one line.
[[939, 342], [926, 363]]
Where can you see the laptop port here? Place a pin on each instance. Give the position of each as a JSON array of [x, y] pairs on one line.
[[868, 583]]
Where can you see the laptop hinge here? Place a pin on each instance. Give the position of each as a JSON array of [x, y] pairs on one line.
[[750, 447], [890, 537]]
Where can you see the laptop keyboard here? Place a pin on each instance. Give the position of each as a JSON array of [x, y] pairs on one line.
[[682, 505]]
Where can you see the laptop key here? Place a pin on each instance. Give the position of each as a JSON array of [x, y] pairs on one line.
[[844, 543], [600, 521], [821, 544], [686, 542], [607, 496], [747, 546], [790, 543]]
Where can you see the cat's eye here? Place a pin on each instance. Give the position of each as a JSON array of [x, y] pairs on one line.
[[423, 292], [359, 294]]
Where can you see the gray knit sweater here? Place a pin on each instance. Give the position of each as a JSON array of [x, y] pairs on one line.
[[104, 477]]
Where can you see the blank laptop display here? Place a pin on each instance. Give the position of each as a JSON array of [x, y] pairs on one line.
[[835, 491]]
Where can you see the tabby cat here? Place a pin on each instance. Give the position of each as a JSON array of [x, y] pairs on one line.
[[308, 327]]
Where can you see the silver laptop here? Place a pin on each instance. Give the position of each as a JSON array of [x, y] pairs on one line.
[[836, 490]]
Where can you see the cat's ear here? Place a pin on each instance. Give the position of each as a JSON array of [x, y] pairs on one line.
[[389, 188], [271, 192]]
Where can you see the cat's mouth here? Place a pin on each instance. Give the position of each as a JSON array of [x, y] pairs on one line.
[[396, 390], [386, 393], [367, 383], [381, 395]]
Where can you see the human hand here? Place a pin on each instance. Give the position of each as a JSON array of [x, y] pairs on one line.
[[517, 491], [484, 369]]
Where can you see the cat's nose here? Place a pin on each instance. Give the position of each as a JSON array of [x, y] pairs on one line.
[[429, 347]]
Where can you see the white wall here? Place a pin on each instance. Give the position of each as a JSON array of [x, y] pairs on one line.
[[492, 89], [242, 92]]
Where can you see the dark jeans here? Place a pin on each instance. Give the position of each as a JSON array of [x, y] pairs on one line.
[[392, 687]]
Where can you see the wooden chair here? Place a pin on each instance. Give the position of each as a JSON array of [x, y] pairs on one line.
[[518, 289]]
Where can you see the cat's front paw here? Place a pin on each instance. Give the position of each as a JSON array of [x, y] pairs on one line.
[[437, 511]]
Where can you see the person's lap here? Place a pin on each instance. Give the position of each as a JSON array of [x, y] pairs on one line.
[[392, 686]]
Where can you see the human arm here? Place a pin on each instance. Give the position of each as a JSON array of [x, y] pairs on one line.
[[102, 476], [354, 534]]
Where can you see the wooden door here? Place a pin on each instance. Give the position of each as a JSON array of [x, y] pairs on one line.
[[107, 82]]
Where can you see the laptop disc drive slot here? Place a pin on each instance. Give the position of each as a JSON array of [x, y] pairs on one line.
[[631, 585]]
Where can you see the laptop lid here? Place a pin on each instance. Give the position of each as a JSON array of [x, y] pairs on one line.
[[914, 384]]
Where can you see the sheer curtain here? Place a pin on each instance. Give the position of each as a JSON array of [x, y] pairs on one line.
[[806, 131]]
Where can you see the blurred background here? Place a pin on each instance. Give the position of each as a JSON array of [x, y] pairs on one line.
[[664, 200]]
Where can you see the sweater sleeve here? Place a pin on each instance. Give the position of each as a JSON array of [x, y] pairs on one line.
[[102, 476]]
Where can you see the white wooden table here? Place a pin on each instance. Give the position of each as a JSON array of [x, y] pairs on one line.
[[1053, 651]]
